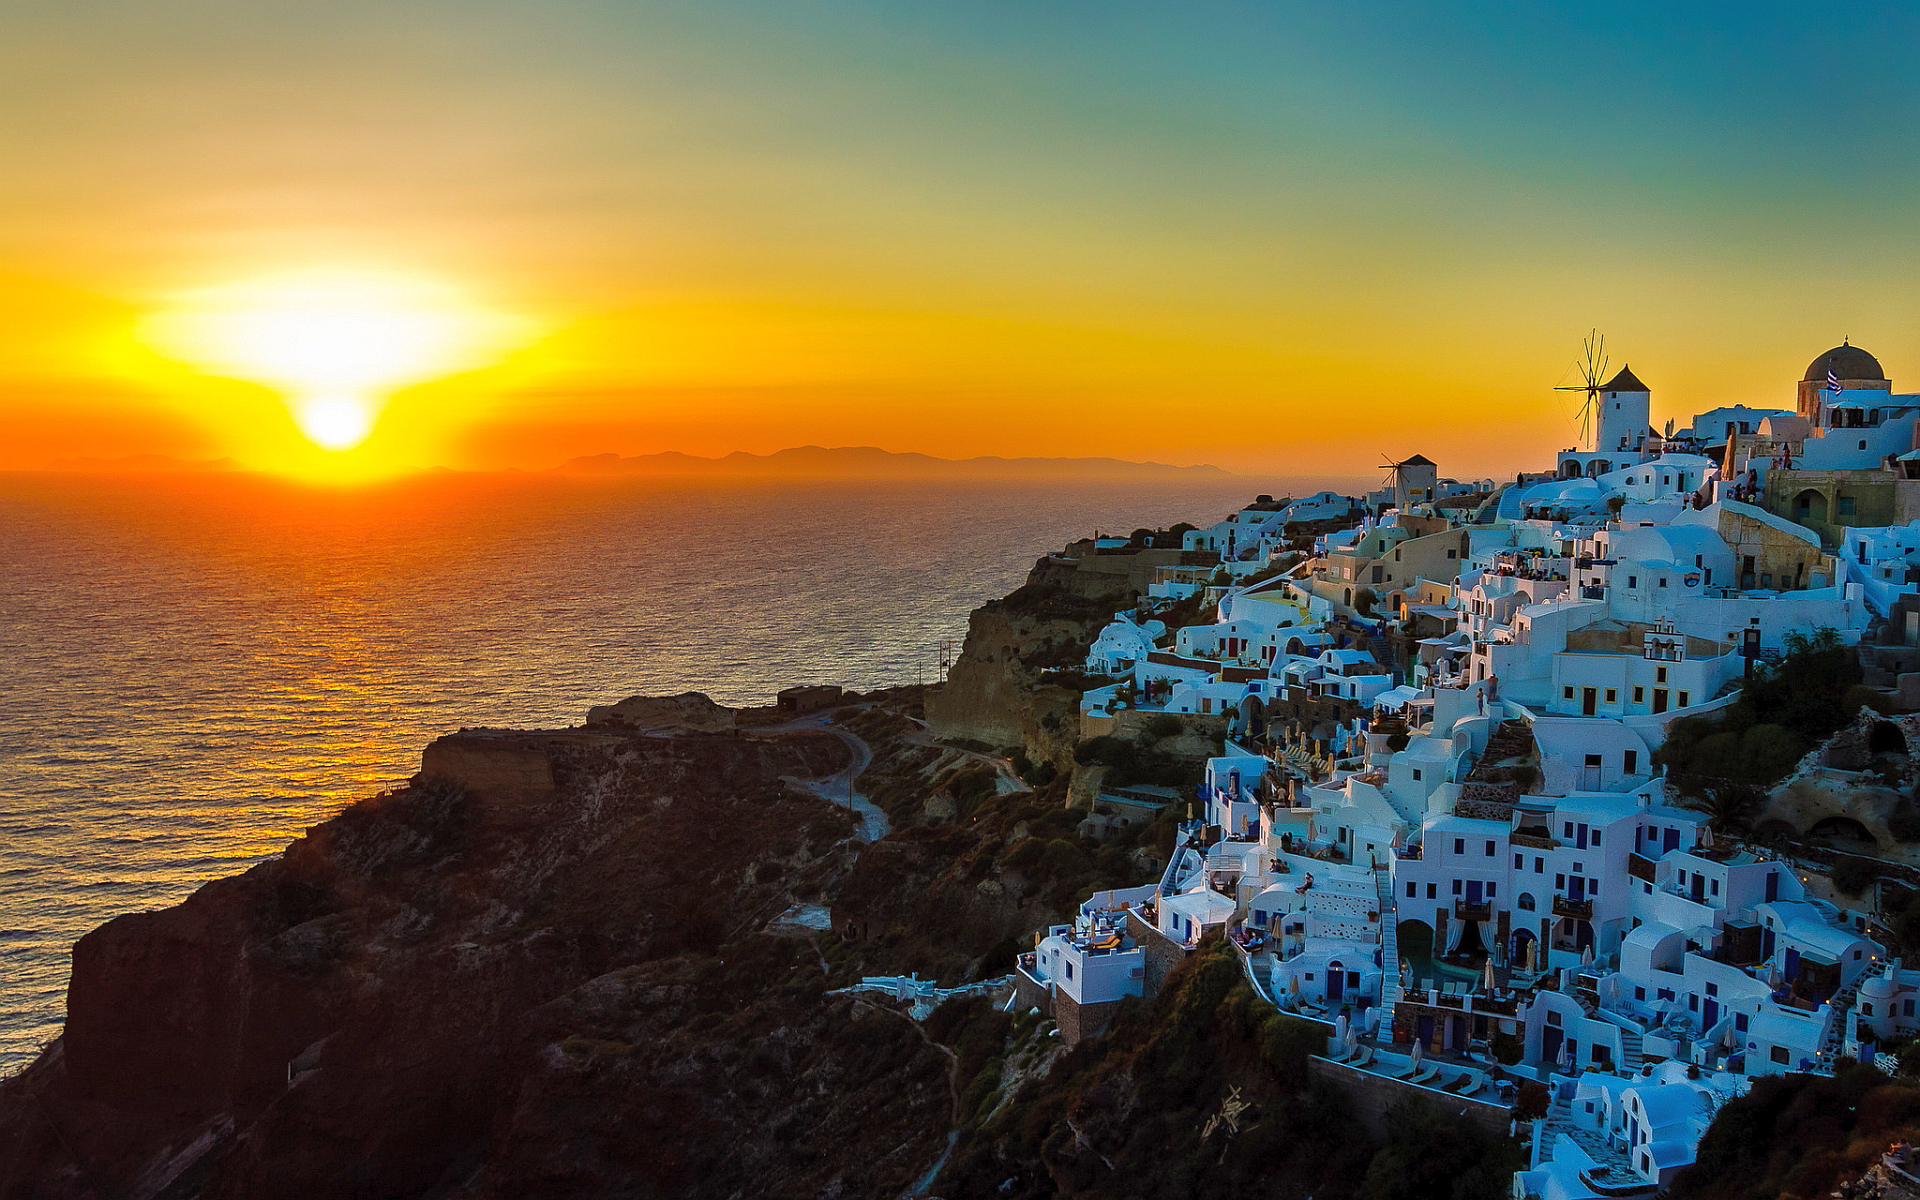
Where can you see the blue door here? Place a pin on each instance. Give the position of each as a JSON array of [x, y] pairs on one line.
[[1710, 1015], [1423, 1031], [1673, 839], [1473, 891], [1577, 887], [1792, 969], [1336, 983], [1550, 1044]]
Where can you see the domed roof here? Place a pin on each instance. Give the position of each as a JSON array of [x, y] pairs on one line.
[[1847, 362]]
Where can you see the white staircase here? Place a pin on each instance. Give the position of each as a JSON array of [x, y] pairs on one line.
[[1389, 941], [1633, 1052]]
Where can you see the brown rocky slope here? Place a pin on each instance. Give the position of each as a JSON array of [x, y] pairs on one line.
[[444, 992]]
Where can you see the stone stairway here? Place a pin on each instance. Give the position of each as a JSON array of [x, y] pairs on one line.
[[1633, 1052], [1511, 739], [1604, 1151], [1843, 1002], [1389, 941]]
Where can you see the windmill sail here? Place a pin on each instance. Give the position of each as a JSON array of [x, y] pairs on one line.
[[1592, 366]]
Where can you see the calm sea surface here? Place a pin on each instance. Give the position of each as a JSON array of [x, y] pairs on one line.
[[194, 669]]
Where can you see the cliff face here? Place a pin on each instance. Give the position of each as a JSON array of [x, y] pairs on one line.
[[467, 990], [995, 692]]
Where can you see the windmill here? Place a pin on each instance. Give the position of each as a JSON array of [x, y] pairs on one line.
[[1392, 467], [1592, 365]]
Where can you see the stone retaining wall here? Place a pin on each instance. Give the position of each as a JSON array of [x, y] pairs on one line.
[[1372, 1095]]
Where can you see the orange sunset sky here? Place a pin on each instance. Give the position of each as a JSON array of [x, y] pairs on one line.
[[1275, 238]]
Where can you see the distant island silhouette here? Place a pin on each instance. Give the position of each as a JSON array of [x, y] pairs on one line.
[[796, 462]]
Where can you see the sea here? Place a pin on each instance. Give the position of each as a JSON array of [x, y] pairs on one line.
[[194, 668]]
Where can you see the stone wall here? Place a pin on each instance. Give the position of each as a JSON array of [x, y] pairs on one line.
[[1029, 992], [1078, 1021], [1163, 954], [1372, 1095]]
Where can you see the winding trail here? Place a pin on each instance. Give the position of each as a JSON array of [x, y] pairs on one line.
[[1008, 779], [840, 788]]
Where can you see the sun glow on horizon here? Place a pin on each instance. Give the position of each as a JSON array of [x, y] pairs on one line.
[[334, 344]]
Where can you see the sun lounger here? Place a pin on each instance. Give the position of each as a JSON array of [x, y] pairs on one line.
[[1426, 1075]]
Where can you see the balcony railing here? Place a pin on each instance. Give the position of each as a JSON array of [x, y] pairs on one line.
[[1471, 910], [1579, 910], [1535, 841]]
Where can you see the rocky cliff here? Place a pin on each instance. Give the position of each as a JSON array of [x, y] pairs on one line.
[[487, 988], [563, 963], [997, 692]]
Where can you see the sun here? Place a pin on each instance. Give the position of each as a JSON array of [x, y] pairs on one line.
[[335, 344]]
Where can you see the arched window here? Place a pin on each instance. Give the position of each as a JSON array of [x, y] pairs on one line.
[[1525, 903]]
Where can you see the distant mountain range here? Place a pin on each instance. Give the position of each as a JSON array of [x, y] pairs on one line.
[[868, 462]]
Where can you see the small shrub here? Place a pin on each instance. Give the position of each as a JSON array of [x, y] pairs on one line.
[[1851, 876], [1531, 1101], [1904, 821]]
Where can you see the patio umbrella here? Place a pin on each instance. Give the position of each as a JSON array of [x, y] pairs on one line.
[[1419, 1051], [1486, 978], [1586, 956], [1340, 1028], [1566, 1056]]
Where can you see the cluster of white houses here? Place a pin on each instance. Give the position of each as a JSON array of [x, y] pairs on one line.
[[1461, 856]]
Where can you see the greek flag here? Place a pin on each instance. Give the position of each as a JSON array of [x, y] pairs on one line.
[[1833, 380]]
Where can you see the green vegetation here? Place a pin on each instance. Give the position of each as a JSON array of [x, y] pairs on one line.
[[1192, 610], [1141, 1113], [1853, 876], [1127, 1115], [1429, 1153], [1037, 774], [1904, 821], [1800, 1136], [1785, 710], [1164, 726], [1128, 762], [1901, 910]]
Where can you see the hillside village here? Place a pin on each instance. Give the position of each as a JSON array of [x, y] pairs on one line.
[[1529, 792]]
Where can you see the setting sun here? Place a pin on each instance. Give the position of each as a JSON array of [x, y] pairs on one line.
[[335, 345]]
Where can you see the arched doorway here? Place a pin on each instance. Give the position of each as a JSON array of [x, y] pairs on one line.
[[1336, 981], [1886, 738], [1251, 720], [1416, 950], [1841, 829], [1810, 507], [1520, 951]]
